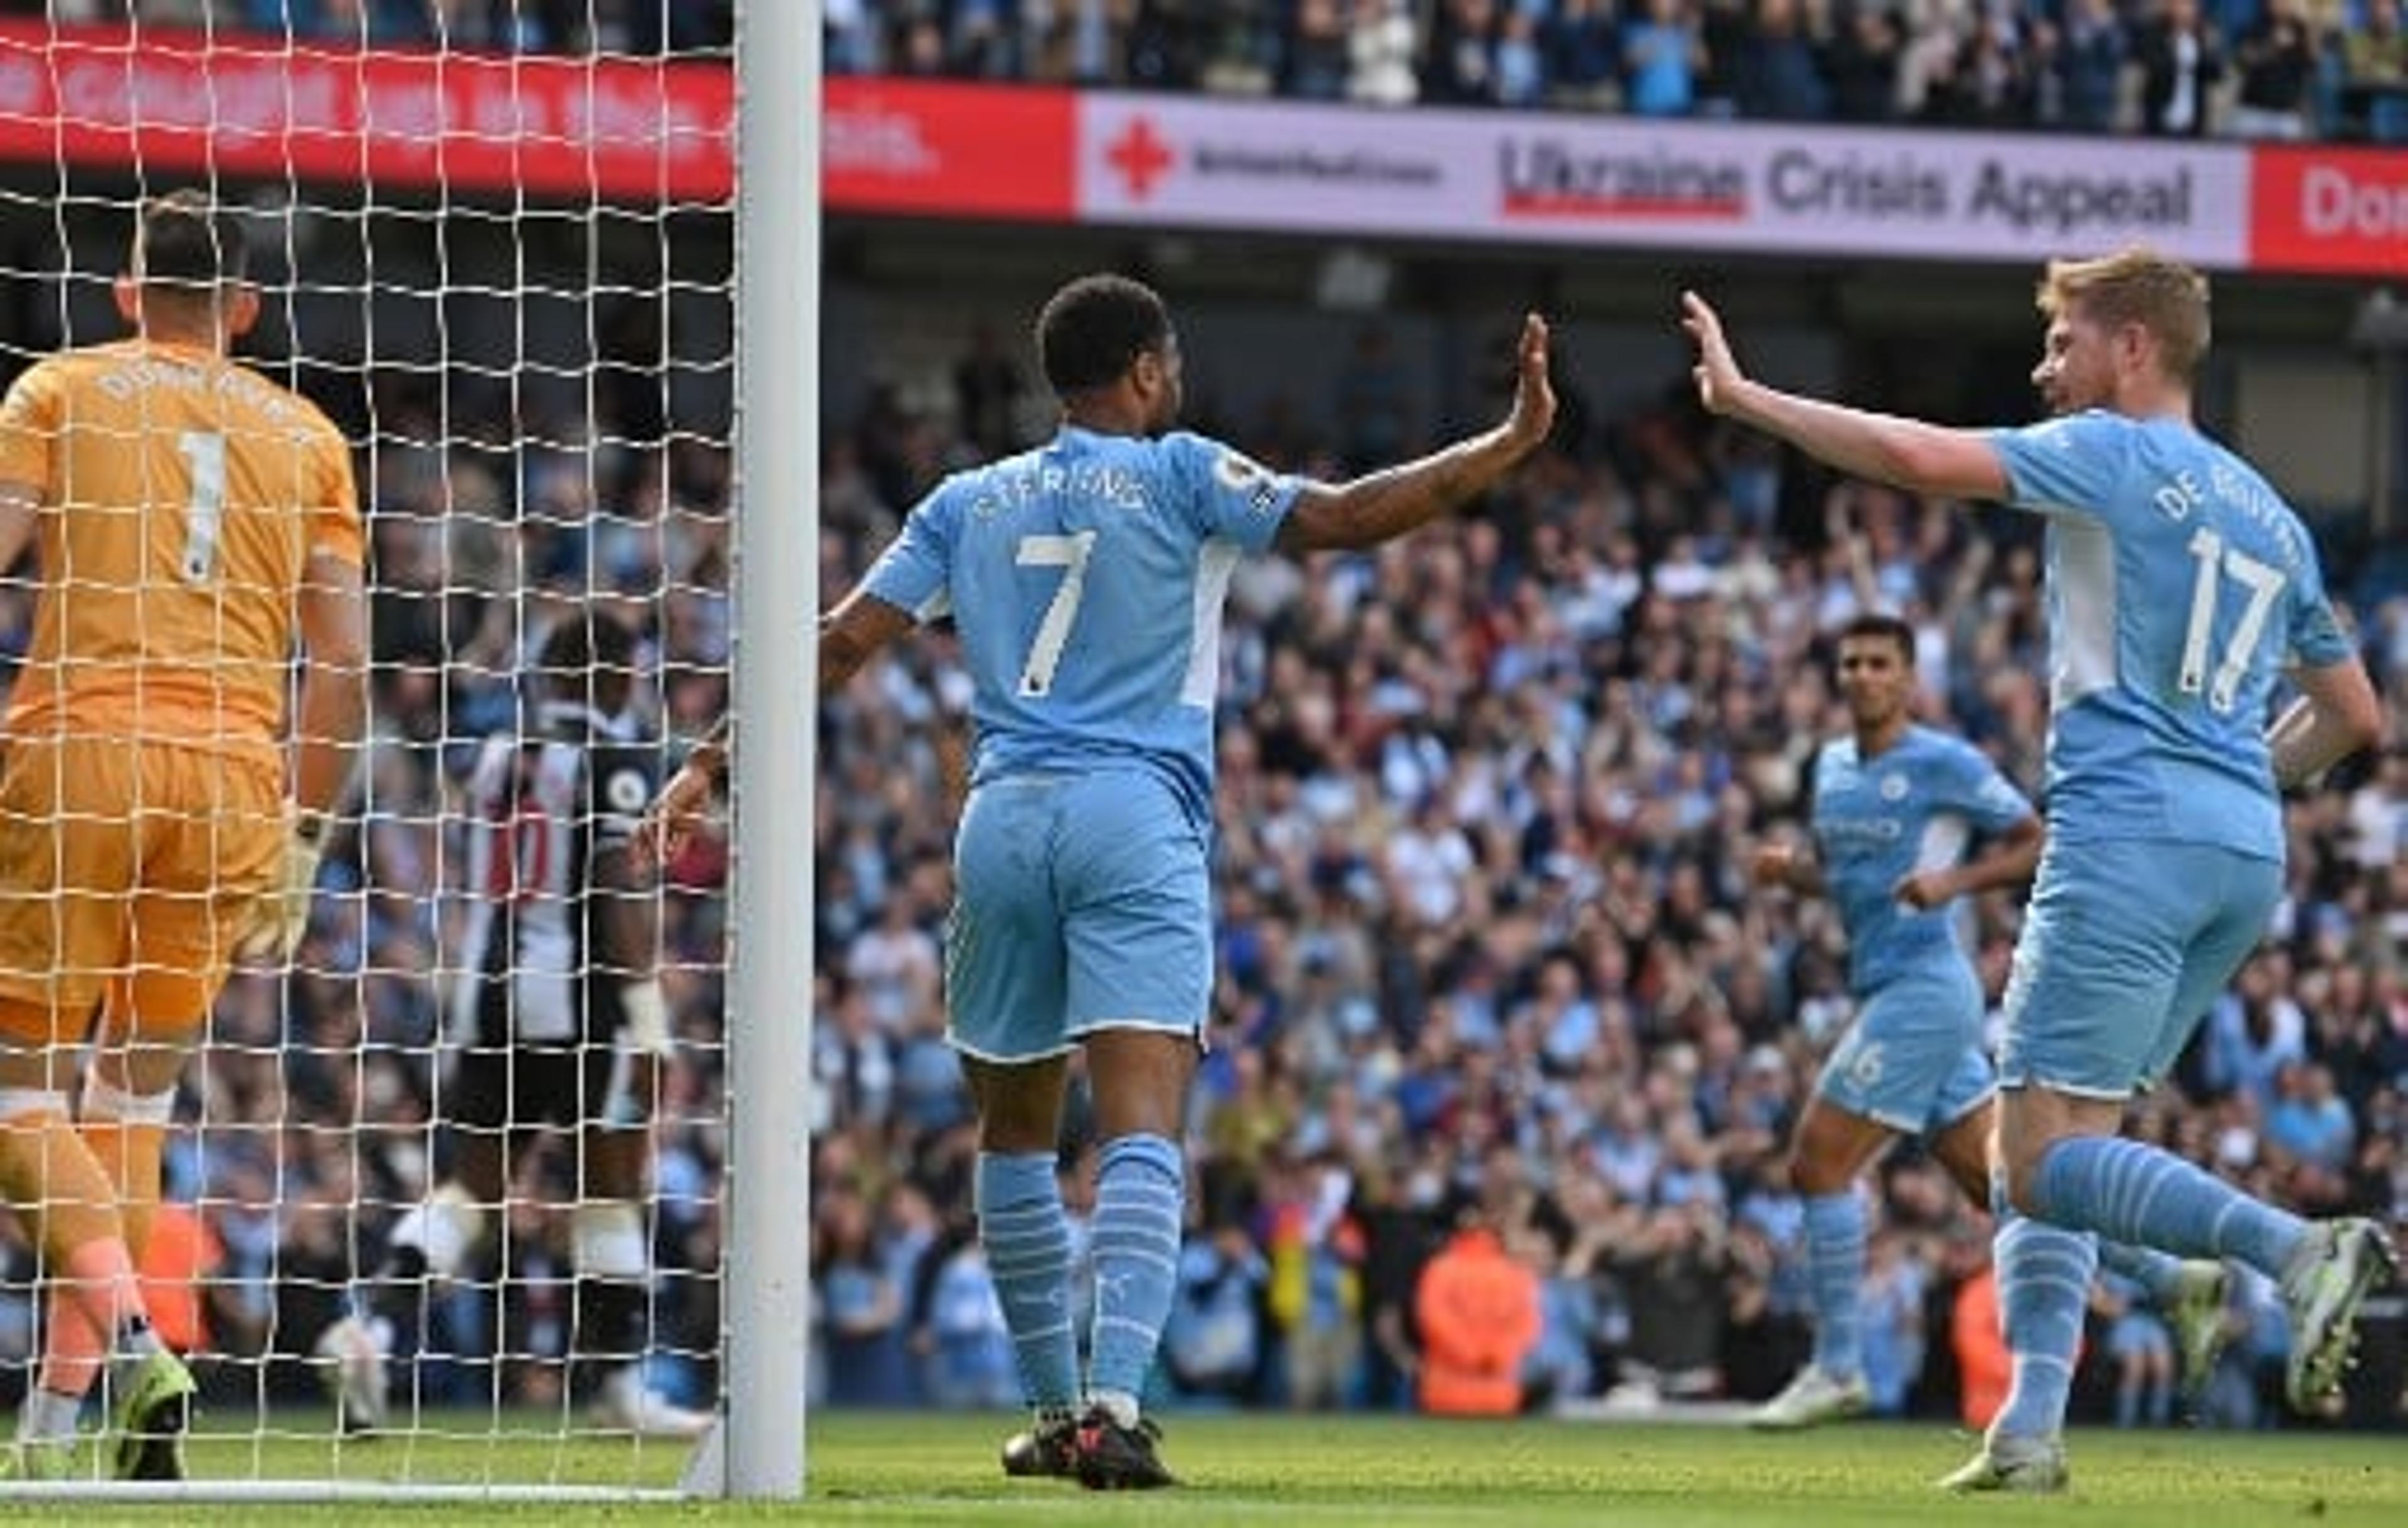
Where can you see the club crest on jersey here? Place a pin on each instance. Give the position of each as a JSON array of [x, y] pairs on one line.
[[1241, 473], [1893, 788]]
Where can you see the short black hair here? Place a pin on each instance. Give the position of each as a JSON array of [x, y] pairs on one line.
[[587, 653], [181, 240], [1879, 626], [1092, 331]]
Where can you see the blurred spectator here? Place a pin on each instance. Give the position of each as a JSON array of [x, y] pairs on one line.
[[1481, 1315], [2375, 72], [2182, 61], [2141, 1349], [1662, 53], [2277, 60], [1213, 1347], [2090, 64]]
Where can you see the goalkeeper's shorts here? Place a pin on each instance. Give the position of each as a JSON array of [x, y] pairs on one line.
[[1082, 903], [125, 869]]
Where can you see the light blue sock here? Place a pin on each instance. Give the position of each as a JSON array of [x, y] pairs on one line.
[[1027, 1242], [2159, 1272], [1835, 1262], [2131, 1193], [2043, 1290], [1141, 1187]]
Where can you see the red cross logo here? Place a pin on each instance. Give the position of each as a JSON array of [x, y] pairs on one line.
[[1141, 156]]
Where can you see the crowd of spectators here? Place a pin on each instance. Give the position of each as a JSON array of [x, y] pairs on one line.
[[1492, 982], [2255, 68], [640, 27], [1492, 986], [2248, 68]]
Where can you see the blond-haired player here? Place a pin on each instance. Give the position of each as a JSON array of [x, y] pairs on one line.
[[194, 523]]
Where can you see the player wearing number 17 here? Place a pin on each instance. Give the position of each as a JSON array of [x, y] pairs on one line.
[[1085, 578], [2180, 587], [194, 523]]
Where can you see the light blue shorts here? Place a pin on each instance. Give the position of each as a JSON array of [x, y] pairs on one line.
[[2123, 949], [1082, 903], [1913, 1059]]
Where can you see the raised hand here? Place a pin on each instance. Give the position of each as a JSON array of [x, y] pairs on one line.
[[1717, 376], [1534, 392]]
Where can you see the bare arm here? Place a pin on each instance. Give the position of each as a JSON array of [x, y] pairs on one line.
[[2008, 861], [850, 634], [1788, 867], [333, 708], [1387, 504], [1907, 453], [2337, 715]]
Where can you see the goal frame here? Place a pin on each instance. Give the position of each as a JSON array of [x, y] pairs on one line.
[[755, 1449]]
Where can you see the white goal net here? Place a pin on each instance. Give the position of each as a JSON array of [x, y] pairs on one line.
[[440, 1201]]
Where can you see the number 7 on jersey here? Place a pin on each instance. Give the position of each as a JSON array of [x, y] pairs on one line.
[[1070, 553]]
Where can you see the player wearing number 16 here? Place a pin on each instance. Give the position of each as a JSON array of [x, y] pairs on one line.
[[1085, 578], [2180, 588], [193, 524]]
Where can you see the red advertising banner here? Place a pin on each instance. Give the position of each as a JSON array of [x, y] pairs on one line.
[[249, 105], [948, 150], [2330, 211]]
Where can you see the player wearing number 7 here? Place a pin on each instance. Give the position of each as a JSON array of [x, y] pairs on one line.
[[1085, 578], [194, 523], [2180, 587]]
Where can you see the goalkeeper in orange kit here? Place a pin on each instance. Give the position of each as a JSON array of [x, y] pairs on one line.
[[194, 522]]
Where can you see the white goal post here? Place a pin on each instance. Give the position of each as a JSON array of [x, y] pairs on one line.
[[473, 249]]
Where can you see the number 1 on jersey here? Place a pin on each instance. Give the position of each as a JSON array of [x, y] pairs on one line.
[[205, 510], [1069, 553], [2264, 582]]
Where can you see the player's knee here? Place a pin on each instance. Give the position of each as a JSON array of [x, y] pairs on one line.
[[2021, 1174], [106, 1101], [27, 1106], [1816, 1173]]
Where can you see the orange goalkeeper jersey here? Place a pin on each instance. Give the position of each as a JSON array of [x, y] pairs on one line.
[[182, 494]]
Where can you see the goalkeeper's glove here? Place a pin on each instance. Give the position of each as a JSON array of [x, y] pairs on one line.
[[279, 917]]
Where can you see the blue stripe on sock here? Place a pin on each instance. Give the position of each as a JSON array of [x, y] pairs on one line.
[[1140, 1189], [1835, 1261], [2131, 1192], [1027, 1242], [2159, 1273], [2043, 1290]]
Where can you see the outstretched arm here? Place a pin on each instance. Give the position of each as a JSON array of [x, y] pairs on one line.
[[849, 635], [1387, 504], [1907, 453], [2008, 861]]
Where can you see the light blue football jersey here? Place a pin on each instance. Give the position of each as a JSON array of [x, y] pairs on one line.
[[1086, 579], [2180, 585], [1912, 808]]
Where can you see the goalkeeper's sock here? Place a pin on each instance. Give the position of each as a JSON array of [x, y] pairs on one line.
[[50, 1416], [72, 1349], [1139, 1192], [1028, 1241], [50, 1177]]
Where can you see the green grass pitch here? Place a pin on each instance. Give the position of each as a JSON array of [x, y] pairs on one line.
[[1391, 1472]]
